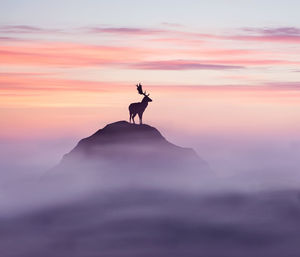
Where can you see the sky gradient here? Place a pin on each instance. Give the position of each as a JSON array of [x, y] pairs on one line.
[[217, 69]]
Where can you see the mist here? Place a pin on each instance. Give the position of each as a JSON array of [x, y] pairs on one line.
[[237, 165], [248, 205]]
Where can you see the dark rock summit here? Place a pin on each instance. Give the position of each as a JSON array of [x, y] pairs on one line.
[[122, 146]]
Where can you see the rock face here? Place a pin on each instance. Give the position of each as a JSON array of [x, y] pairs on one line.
[[122, 145]]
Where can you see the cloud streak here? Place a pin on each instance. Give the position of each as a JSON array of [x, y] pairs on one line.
[[182, 65], [126, 31], [25, 29], [287, 31], [280, 34], [175, 31]]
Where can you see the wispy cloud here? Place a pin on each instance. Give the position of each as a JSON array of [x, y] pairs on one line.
[[280, 34], [287, 31], [8, 39], [182, 65], [175, 32], [25, 29], [213, 64], [170, 31], [125, 30]]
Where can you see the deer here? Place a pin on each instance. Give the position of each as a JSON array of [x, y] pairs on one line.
[[139, 108]]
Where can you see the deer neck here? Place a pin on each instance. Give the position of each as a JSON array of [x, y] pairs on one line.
[[144, 103]]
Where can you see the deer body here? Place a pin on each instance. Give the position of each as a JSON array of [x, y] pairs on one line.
[[139, 108]]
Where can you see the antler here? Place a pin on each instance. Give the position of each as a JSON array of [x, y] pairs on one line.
[[140, 90]]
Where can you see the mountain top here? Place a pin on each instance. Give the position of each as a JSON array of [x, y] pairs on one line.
[[123, 145], [122, 131]]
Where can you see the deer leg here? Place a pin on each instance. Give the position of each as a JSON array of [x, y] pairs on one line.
[[129, 117], [141, 118], [133, 115]]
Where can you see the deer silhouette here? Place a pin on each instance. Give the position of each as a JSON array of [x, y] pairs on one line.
[[139, 108]]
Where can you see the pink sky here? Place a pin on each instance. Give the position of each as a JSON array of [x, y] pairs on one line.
[[52, 80]]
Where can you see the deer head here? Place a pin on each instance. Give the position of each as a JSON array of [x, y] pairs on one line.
[[146, 96]]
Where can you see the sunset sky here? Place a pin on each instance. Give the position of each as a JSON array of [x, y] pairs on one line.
[[214, 69]]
